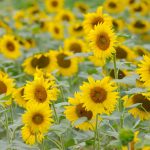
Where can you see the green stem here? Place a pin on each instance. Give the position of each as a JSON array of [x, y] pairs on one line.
[[6, 126], [56, 143]]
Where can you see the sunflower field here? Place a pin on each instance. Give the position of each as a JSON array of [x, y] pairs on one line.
[[74, 75]]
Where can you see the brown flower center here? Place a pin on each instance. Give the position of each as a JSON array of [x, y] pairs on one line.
[[40, 94], [120, 53], [112, 5], [139, 98], [98, 94], [10, 46], [62, 62], [65, 17], [3, 87], [97, 21], [103, 41], [22, 91], [140, 52], [54, 3], [121, 74], [81, 112], [38, 118], [75, 48], [139, 24], [138, 9], [131, 1], [115, 24], [82, 9], [41, 62], [79, 28], [56, 30]]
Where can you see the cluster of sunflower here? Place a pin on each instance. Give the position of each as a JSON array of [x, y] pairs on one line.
[[45, 45]]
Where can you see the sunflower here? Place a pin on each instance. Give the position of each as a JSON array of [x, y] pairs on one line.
[[54, 5], [114, 6], [66, 66], [37, 91], [5, 26], [45, 61], [99, 96], [38, 118], [57, 30], [139, 26], [140, 51], [144, 69], [53, 87], [6, 87], [65, 16], [118, 24], [31, 137], [18, 97], [93, 19], [76, 29], [82, 7], [30, 43], [131, 2], [124, 52], [10, 47], [102, 41], [143, 111], [76, 110]]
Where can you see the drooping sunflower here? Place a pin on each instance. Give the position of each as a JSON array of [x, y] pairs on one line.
[[114, 6], [99, 96], [65, 16], [102, 41], [18, 97], [54, 5], [9, 47], [30, 137], [38, 118], [76, 29], [6, 87], [93, 19], [143, 111], [118, 24], [139, 26], [124, 52], [57, 30], [76, 110], [66, 66], [53, 87], [143, 70], [82, 7], [45, 61], [37, 91]]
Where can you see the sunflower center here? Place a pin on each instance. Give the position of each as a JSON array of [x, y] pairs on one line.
[[40, 94], [75, 47], [120, 53], [56, 30], [42, 62], [96, 21], [140, 52], [10, 46], [115, 24], [62, 62], [138, 9], [22, 92], [82, 9], [139, 24], [81, 112], [139, 98], [3, 87], [37, 118], [121, 74], [112, 5], [54, 3], [131, 1], [103, 41], [98, 94], [66, 18], [79, 28]]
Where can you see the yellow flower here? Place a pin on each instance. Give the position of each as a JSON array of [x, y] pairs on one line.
[[18, 97], [93, 19], [38, 118], [143, 111], [30, 137], [118, 24], [65, 16], [82, 7], [76, 110], [10, 47], [54, 5], [102, 41], [140, 51], [99, 96], [66, 67], [45, 61], [144, 69], [37, 91], [139, 26], [5, 26]]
